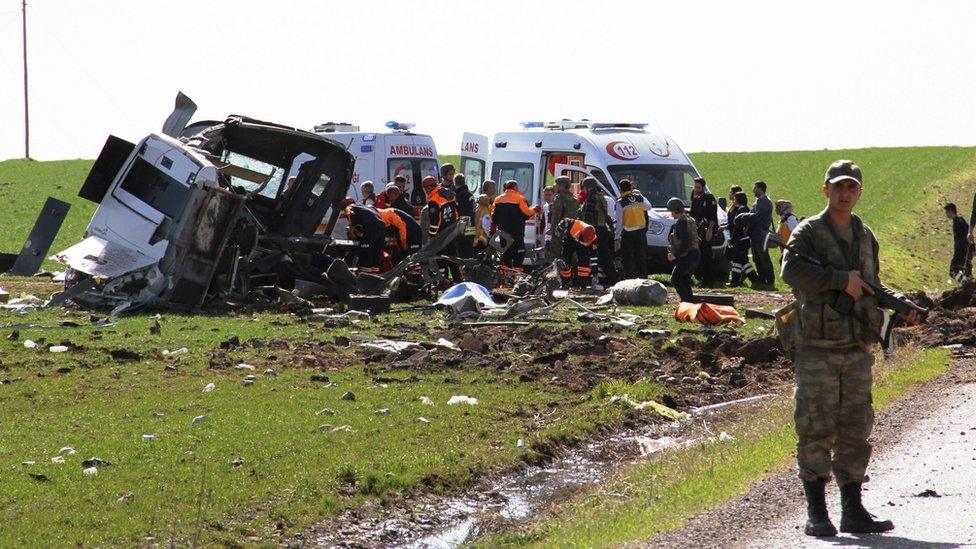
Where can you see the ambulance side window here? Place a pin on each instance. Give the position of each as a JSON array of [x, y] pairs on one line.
[[474, 173], [519, 171], [429, 167]]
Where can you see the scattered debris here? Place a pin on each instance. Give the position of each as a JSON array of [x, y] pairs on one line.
[[928, 493], [59, 460], [39, 477], [126, 498], [198, 419], [58, 349], [244, 366], [423, 420], [382, 411], [177, 352], [348, 395], [95, 462], [148, 438], [426, 401], [30, 344], [441, 342], [124, 355], [325, 411], [67, 451], [638, 292], [209, 387], [90, 471], [461, 399], [472, 343]]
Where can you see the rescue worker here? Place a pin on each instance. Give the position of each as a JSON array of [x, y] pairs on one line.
[[367, 194], [564, 206], [368, 230], [961, 265], [631, 229], [393, 197], [595, 213], [465, 208], [548, 196], [787, 222], [482, 227], [578, 240], [489, 188], [733, 190], [737, 252], [683, 250], [837, 322], [763, 208], [403, 235], [510, 214], [704, 209], [427, 185], [442, 214]]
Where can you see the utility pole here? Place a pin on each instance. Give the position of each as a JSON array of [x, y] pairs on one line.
[[26, 110]]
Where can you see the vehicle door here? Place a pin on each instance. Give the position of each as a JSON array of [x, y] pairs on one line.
[[474, 160], [527, 168]]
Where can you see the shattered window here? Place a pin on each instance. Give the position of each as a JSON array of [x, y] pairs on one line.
[[254, 174], [155, 188]]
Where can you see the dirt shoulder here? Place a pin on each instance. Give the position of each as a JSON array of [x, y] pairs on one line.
[[778, 497]]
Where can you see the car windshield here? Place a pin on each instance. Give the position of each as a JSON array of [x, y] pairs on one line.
[[657, 182], [255, 169]]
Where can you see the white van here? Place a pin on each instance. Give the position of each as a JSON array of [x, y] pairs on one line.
[[381, 156], [609, 152]]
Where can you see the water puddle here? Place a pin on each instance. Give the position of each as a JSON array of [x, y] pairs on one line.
[[515, 497]]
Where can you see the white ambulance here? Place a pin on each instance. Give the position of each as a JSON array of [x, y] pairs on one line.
[[381, 156], [607, 151]]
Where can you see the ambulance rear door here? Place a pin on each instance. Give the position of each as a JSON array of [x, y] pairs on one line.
[[474, 161], [527, 168]]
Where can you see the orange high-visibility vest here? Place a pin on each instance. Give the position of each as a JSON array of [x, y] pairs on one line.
[[584, 233], [391, 219]]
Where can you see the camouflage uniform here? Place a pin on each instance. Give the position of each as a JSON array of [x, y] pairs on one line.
[[564, 206], [834, 414]]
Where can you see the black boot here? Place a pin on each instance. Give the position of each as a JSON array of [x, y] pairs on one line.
[[854, 518], [818, 521]]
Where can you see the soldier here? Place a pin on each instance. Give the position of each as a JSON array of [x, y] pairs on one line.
[[564, 206], [596, 213], [837, 321], [683, 250]]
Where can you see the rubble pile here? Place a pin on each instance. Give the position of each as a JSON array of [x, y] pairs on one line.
[[951, 320]]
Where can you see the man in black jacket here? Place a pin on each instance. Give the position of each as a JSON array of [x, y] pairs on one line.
[[704, 210], [961, 265], [465, 207]]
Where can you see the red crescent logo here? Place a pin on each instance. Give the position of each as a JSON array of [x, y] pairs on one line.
[[655, 148], [622, 150]]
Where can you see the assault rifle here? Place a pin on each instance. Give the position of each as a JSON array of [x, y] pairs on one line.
[[844, 304]]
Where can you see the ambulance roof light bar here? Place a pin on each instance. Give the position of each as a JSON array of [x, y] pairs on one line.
[[400, 126], [332, 127], [605, 125], [567, 124], [530, 125]]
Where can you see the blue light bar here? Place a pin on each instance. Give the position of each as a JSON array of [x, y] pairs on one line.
[[394, 125], [527, 125]]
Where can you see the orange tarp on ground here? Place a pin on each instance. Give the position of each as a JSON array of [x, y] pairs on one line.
[[706, 313]]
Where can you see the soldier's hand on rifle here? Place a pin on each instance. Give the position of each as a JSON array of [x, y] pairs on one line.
[[856, 287]]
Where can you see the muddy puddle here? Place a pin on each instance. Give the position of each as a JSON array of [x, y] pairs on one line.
[[519, 496]]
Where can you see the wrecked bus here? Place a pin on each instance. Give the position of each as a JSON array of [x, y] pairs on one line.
[[222, 211]]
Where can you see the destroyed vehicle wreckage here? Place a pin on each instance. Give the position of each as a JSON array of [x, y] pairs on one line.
[[215, 210]]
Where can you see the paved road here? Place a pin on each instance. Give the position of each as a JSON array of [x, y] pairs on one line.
[[938, 454]]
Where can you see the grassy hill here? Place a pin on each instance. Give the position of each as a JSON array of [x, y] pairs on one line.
[[905, 189]]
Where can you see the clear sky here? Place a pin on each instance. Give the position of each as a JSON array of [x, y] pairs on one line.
[[716, 76]]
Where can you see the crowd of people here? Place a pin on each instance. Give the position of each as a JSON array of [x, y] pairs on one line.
[[599, 238]]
